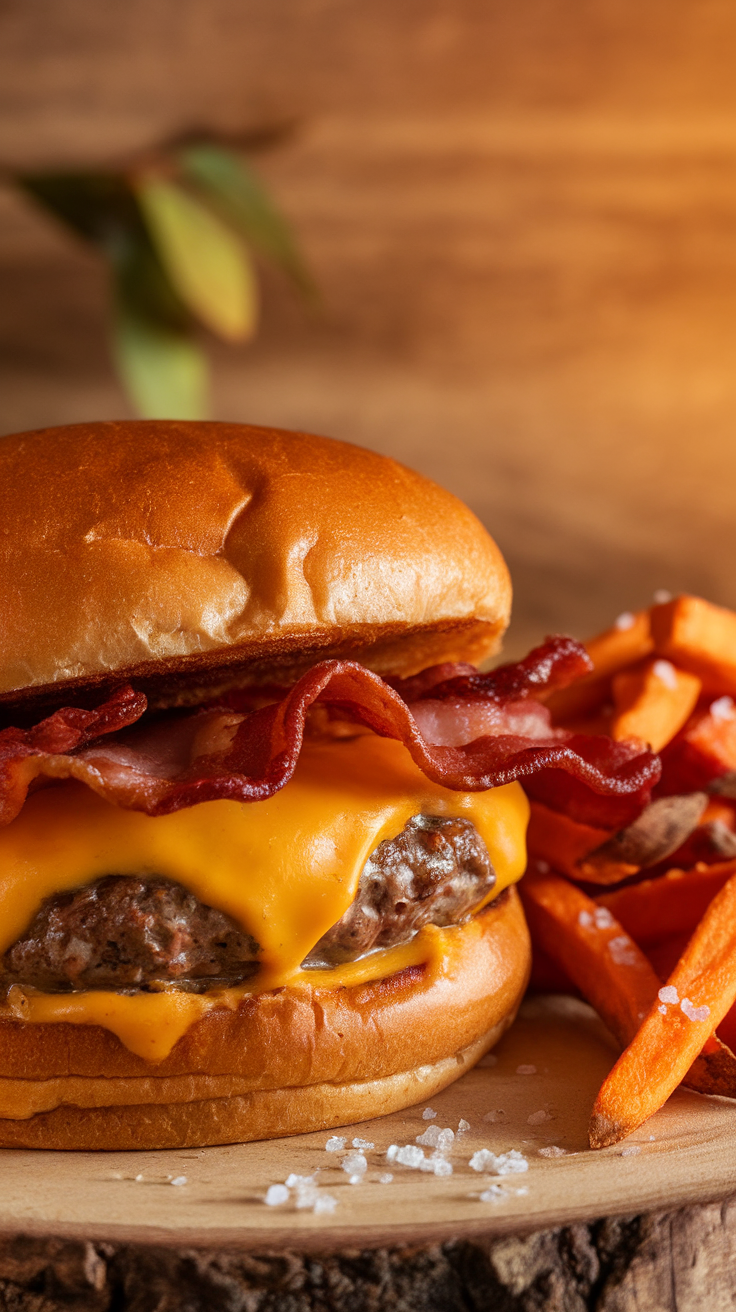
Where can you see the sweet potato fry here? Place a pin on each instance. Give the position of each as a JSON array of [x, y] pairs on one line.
[[705, 751], [629, 640], [697, 996], [674, 903], [699, 637], [661, 828], [653, 701], [611, 972], [555, 838]]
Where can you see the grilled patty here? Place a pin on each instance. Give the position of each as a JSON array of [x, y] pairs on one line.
[[127, 932]]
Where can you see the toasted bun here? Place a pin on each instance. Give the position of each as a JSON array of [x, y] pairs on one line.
[[185, 556], [286, 1062]]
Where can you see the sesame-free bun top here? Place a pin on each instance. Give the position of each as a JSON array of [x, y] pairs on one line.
[[187, 556]]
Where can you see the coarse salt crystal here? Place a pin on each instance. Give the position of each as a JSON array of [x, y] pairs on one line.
[[391, 1152], [538, 1118], [626, 620], [495, 1193], [305, 1188], [722, 709], [355, 1166], [428, 1114], [498, 1115], [631, 1150], [363, 1144], [692, 1012], [623, 950], [603, 918], [179, 1179], [410, 1155], [324, 1203], [526, 1070], [439, 1165], [552, 1151], [276, 1194], [661, 597], [386, 1178], [335, 1144], [138, 1178], [430, 1136], [463, 1126], [663, 1009], [666, 673], [585, 918], [509, 1163], [668, 993]]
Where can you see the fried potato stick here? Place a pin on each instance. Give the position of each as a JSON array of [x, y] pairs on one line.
[[697, 996]]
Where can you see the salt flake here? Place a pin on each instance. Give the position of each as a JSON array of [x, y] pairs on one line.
[[510, 1163], [355, 1166], [692, 1012], [603, 918], [668, 993], [623, 950], [428, 1114], [626, 620], [723, 709], [552, 1151], [538, 1118], [276, 1194], [335, 1144], [666, 673]]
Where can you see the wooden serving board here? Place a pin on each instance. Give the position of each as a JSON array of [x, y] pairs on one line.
[[687, 1153]]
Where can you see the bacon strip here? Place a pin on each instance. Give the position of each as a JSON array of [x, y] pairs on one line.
[[183, 758]]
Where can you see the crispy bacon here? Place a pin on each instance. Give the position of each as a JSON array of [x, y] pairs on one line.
[[471, 732]]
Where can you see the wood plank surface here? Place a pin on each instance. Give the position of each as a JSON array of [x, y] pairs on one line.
[[687, 1153], [523, 222]]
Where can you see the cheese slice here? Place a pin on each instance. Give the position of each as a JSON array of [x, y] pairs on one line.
[[285, 869]]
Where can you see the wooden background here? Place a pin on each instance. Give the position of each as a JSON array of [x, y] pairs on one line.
[[523, 220]]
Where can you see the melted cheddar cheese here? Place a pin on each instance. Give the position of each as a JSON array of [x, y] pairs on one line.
[[286, 869]]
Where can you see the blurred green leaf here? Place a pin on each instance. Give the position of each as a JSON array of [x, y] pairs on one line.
[[99, 207], [164, 371], [207, 266], [144, 284], [242, 200]]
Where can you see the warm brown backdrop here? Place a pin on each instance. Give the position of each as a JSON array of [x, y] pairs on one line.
[[523, 220]]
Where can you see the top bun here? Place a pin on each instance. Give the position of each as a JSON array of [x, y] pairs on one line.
[[190, 556]]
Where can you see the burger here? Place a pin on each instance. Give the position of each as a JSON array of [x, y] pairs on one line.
[[260, 818]]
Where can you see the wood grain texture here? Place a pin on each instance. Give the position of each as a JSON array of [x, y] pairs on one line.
[[661, 1261], [523, 221]]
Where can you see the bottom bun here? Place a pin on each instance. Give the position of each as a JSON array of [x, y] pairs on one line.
[[310, 1059]]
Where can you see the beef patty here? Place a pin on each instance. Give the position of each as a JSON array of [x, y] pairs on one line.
[[126, 932], [435, 872], [129, 932]]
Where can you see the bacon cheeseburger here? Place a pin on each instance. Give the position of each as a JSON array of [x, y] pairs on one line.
[[256, 869]]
